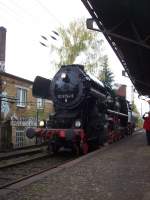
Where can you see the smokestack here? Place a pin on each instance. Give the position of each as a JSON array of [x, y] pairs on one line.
[[2, 48], [121, 91]]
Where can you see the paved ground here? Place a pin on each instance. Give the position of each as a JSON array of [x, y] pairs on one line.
[[118, 172]]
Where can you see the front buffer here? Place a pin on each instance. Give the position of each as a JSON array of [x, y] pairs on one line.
[[74, 139]]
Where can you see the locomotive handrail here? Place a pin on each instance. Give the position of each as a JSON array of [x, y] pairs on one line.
[[97, 93], [117, 113]]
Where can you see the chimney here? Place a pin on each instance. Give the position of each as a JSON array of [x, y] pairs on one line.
[[2, 48], [121, 91]]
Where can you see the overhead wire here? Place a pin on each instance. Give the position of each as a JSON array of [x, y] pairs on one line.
[[10, 15], [19, 13], [48, 11], [11, 12], [15, 10], [25, 11], [26, 103]]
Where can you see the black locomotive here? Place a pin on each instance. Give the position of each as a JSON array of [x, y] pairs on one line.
[[87, 114]]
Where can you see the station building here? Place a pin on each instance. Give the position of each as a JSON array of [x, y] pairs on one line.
[[19, 110]]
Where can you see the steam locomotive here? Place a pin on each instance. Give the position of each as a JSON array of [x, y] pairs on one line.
[[87, 114]]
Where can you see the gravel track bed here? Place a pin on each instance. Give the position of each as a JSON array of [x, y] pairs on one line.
[[19, 171]]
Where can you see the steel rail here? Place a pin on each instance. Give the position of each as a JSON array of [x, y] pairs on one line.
[[5, 186]]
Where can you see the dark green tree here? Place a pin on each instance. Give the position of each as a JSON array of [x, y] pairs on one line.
[[106, 75]]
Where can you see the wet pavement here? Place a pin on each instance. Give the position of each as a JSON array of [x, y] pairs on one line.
[[120, 171]]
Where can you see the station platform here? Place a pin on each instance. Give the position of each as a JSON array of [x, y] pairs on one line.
[[120, 171]]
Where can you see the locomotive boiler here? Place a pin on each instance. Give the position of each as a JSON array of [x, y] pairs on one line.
[[87, 114]]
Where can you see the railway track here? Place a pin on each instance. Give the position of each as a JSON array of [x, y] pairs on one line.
[[19, 172], [22, 151], [21, 156]]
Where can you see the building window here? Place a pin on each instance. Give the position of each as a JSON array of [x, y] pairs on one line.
[[21, 97], [40, 103], [20, 137]]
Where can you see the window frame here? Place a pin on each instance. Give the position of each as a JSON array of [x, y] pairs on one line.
[[21, 95]]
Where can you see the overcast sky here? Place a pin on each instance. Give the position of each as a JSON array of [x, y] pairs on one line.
[[26, 21]]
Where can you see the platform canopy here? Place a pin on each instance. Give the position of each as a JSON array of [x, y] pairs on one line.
[[126, 26]]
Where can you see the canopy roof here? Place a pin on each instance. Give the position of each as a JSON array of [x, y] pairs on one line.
[[126, 26]]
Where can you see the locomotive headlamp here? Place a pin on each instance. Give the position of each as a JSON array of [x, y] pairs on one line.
[[77, 123], [63, 75], [42, 123]]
